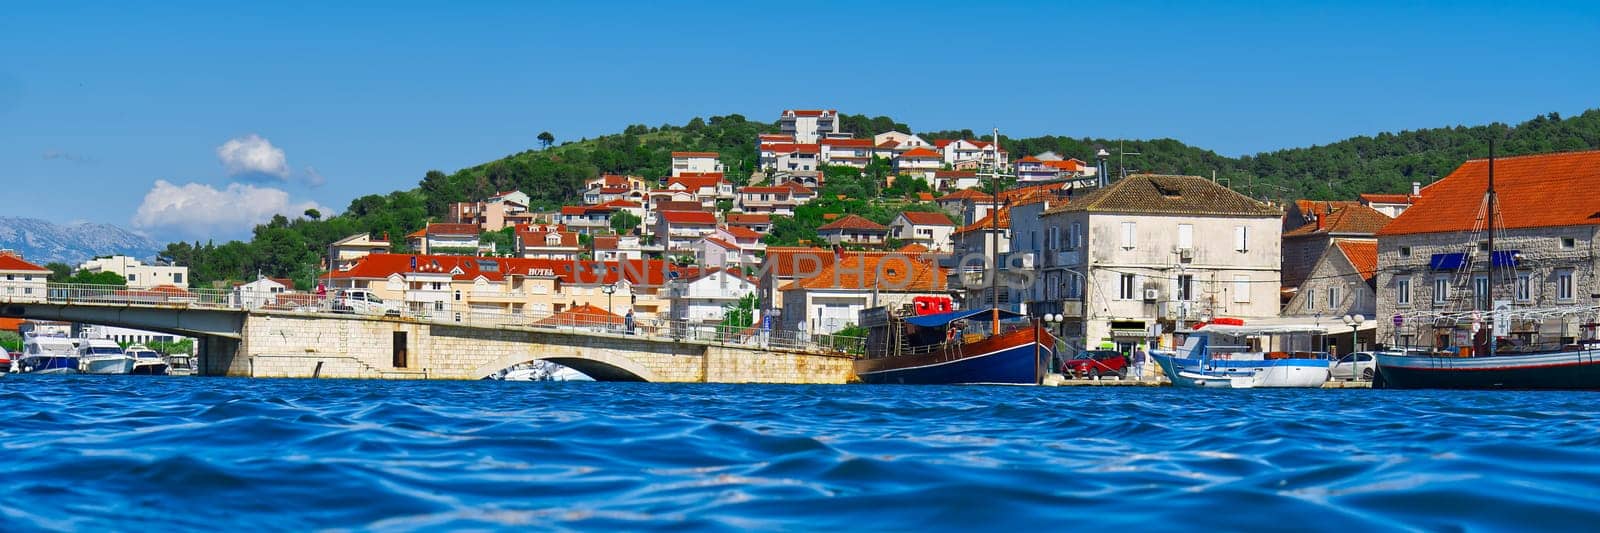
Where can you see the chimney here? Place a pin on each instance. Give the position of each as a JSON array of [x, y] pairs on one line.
[[1416, 188]]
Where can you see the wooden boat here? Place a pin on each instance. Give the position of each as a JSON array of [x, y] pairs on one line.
[[932, 349]]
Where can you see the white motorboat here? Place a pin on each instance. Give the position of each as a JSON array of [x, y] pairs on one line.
[[47, 354], [103, 356], [180, 364], [146, 362], [1221, 356]]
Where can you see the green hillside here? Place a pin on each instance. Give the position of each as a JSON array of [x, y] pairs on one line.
[[554, 174]]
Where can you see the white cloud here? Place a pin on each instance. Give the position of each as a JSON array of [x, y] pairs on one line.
[[313, 178], [253, 156], [196, 210]]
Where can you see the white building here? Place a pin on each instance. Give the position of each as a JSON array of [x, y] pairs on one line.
[[848, 152], [445, 238], [800, 157], [21, 281], [695, 162], [261, 292], [809, 125], [676, 231], [920, 163], [970, 153], [890, 143], [931, 230], [1157, 251], [705, 298], [345, 252], [139, 275]]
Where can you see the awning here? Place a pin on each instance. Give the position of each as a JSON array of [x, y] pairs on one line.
[[1506, 258], [1452, 261], [946, 318]]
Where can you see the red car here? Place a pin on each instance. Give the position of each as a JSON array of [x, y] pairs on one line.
[[1096, 363]]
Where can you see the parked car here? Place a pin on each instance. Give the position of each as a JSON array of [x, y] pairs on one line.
[[363, 302], [1352, 366], [1096, 363]]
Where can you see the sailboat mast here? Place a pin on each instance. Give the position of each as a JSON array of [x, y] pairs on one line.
[[1490, 277], [994, 236]]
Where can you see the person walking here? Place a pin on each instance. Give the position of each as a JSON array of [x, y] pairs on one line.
[[627, 322], [1138, 363]]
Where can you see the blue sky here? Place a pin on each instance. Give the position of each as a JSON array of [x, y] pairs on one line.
[[120, 112]]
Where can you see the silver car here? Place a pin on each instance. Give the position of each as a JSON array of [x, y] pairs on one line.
[[1353, 366]]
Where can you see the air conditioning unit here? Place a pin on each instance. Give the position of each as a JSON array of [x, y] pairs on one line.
[[1150, 295], [1186, 254]]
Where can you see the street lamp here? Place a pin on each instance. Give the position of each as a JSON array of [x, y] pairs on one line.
[[1038, 356], [609, 289], [1353, 322]]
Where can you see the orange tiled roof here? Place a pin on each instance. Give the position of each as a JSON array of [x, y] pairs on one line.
[[1362, 254], [741, 232], [988, 222], [855, 222], [581, 315], [694, 154], [13, 263], [965, 194], [688, 217], [1533, 191], [927, 219], [1349, 219], [885, 272], [920, 153], [1322, 207], [1371, 198], [760, 218]]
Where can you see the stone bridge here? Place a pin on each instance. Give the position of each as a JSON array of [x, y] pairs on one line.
[[301, 344]]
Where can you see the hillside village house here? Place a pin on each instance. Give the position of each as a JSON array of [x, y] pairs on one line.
[[931, 230], [617, 248], [757, 222], [706, 189], [730, 247], [853, 230], [833, 298], [592, 219], [892, 143], [1146, 251], [952, 180], [677, 230], [970, 154], [847, 152], [1430, 259], [791, 157], [516, 289], [445, 238], [704, 298], [546, 241], [503, 210], [919, 163], [777, 200], [699, 162], [21, 281], [140, 275], [1034, 169], [808, 125], [347, 251]]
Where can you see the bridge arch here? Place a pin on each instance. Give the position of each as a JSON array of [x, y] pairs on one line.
[[601, 365]]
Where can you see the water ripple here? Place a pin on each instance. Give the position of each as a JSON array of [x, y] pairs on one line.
[[192, 454]]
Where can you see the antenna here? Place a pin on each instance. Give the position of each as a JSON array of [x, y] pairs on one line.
[[1122, 168]]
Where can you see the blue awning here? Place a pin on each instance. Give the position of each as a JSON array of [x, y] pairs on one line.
[[1506, 258], [1447, 261], [946, 318]]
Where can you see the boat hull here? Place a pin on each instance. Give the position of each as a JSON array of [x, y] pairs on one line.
[[108, 365], [149, 368], [1579, 370], [1271, 373], [1013, 358], [49, 365]]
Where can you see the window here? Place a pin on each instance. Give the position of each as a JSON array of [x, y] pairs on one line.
[[1186, 287], [1076, 237], [1055, 237], [1569, 243], [1402, 290], [132, 277], [1524, 286], [1480, 292], [177, 278], [458, 296], [1564, 285], [1127, 289], [1185, 236], [1311, 300], [1441, 290], [1241, 238], [1127, 235], [1405, 252], [1241, 288], [1333, 297]]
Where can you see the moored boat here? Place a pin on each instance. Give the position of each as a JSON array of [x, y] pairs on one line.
[[1225, 356], [48, 354], [146, 362], [103, 356], [1576, 367], [933, 350]]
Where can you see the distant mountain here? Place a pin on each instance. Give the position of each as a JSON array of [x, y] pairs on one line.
[[43, 242]]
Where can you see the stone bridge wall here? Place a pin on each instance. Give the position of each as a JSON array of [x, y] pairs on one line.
[[292, 345]]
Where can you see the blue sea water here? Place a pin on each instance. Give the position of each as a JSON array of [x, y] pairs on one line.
[[164, 454]]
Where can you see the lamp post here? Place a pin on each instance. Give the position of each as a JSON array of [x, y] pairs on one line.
[[1038, 336], [610, 289], [1354, 322]]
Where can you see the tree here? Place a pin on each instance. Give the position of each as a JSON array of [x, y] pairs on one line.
[[623, 222], [96, 278], [546, 139], [59, 272], [313, 214], [739, 315]]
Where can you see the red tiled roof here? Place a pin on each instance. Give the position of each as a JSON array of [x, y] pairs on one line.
[[1371, 198], [855, 222], [776, 189], [580, 316], [858, 143], [920, 153], [696, 183], [1363, 255], [882, 272], [891, 143], [13, 263], [954, 174], [694, 154], [1322, 207], [925, 196], [1533, 191], [638, 272], [809, 112], [988, 222], [720, 242], [740, 232], [699, 175], [606, 242], [913, 248], [1356, 219], [786, 148], [1070, 165], [966, 194], [743, 219], [1029, 159], [441, 228], [688, 217], [927, 219]]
